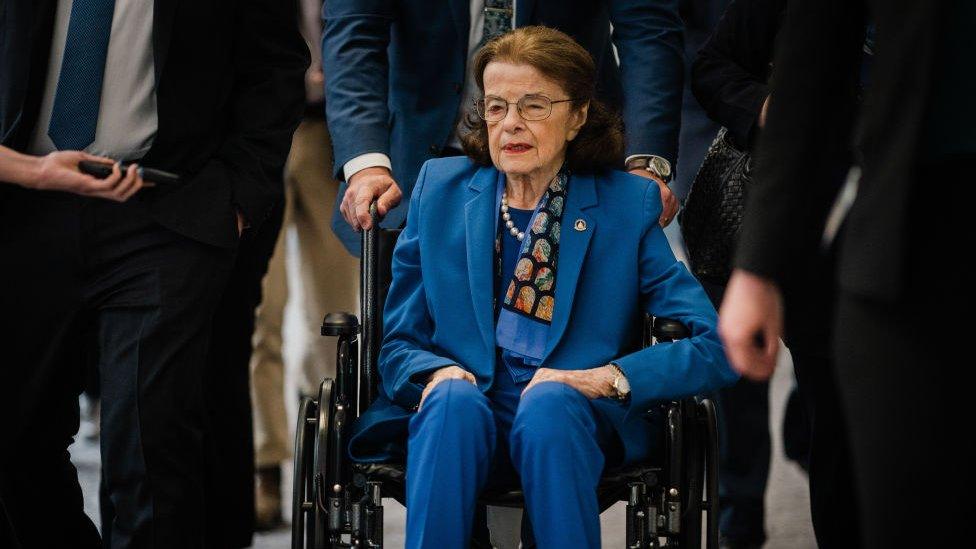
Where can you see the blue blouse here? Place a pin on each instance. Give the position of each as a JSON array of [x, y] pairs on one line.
[[510, 247]]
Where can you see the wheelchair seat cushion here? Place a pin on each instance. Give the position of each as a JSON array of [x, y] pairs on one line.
[[612, 488]]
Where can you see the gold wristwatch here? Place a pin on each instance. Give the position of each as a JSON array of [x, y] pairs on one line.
[[621, 386]]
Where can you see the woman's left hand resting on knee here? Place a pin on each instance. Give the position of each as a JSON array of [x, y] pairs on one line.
[[593, 383], [441, 374]]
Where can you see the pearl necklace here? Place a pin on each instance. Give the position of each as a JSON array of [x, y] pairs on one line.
[[519, 235]]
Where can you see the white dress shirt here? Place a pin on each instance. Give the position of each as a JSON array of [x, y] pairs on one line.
[[127, 117]]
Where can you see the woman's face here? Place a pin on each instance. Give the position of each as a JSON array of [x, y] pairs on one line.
[[529, 148]]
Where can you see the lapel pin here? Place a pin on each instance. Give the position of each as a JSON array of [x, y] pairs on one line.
[[580, 225]]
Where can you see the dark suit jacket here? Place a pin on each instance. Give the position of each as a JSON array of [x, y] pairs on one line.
[[731, 72], [812, 125], [395, 72], [229, 92]]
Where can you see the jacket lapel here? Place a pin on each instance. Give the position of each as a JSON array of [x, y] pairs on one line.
[[574, 240], [479, 226]]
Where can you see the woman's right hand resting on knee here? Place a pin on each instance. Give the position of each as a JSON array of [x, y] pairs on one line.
[[439, 375], [58, 171]]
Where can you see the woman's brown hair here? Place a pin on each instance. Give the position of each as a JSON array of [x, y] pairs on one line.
[[600, 142]]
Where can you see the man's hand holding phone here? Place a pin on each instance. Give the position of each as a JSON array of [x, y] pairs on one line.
[[62, 171]]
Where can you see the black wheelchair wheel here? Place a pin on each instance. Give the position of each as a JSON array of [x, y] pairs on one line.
[[303, 493], [711, 472], [318, 527], [693, 476]]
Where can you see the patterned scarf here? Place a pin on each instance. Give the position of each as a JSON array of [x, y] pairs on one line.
[[526, 312]]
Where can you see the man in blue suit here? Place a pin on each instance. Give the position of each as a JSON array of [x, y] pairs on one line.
[[397, 83]]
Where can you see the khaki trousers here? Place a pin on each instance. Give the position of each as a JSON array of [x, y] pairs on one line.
[[330, 280]]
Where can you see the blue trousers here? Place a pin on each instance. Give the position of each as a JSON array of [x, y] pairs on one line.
[[552, 440]]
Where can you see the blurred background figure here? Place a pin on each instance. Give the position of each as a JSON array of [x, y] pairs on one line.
[[914, 132], [729, 79], [329, 277]]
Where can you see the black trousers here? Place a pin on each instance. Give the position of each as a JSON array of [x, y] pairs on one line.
[[230, 436], [230, 501], [70, 267], [901, 368], [809, 302], [910, 425]]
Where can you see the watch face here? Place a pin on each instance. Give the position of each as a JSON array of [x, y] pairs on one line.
[[661, 166], [623, 386]]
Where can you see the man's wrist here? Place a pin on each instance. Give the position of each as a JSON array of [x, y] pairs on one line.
[[658, 166], [364, 161], [373, 170], [26, 170], [641, 172]]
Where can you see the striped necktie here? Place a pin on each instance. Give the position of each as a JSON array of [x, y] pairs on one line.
[[79, 92]]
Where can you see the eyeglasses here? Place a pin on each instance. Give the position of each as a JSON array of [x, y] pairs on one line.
[[530, 107]]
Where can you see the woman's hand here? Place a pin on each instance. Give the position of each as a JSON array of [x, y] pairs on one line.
[[593, 383], [447, 372]]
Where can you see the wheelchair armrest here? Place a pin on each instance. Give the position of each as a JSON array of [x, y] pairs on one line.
[[345, 327], [340, 323], [667, 329]]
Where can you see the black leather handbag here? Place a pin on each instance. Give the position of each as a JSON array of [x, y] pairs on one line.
[[712, 213]]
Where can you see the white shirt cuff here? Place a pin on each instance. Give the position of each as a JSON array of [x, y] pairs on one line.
[[363, 161]]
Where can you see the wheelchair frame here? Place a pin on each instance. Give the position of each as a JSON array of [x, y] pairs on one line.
[[337, 503]]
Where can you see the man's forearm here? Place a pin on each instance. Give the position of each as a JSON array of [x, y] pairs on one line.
[[355, 38], [17, 168], [649, 40]]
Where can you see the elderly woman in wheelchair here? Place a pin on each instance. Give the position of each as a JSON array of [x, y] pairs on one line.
[[511, 315]]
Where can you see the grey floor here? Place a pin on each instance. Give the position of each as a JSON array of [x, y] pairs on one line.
[[787, 502]]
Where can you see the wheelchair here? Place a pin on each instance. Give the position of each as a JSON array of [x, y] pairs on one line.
[[338, 503]]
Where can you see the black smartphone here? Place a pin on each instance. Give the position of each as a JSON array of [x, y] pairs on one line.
[[149, 175]]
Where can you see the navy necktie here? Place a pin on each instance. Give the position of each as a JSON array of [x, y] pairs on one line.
[[75, 111]]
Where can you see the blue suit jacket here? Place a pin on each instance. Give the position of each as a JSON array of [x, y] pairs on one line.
[[439, 310], [395, 72]]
